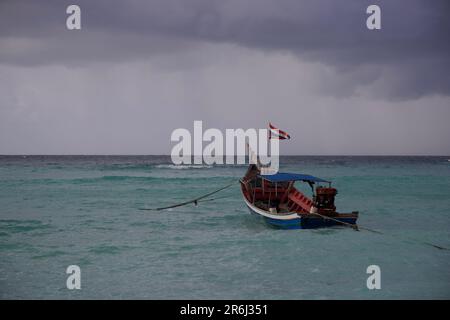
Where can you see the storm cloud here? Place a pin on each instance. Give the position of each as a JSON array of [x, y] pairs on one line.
[[141, 68]]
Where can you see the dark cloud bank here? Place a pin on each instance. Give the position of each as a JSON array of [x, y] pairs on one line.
[[412, 48]]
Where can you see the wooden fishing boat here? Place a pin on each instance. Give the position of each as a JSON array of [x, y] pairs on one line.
[[275, 198]]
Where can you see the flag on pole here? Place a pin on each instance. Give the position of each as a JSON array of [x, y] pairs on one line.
[[275, 133]]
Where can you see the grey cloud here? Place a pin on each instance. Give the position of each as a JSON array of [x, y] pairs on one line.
[[411, 51]]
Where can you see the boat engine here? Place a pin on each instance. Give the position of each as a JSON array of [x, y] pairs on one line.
[[324, 199]]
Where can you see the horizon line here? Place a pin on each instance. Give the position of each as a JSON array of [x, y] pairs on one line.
[[168, 155]]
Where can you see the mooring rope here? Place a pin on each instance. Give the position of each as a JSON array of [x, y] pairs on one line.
[[214, 199], [353, 226], [357, 228], [195, 201]]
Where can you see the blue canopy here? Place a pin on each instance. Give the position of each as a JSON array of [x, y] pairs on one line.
[[284, 177]]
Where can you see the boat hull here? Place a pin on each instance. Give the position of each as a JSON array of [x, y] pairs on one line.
[[294, 221]]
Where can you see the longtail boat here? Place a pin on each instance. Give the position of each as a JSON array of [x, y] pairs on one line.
[[275, 198]]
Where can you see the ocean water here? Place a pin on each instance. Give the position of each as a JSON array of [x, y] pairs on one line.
[[57, 211]]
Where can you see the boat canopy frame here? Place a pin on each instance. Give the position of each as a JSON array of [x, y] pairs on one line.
[[290, 177]]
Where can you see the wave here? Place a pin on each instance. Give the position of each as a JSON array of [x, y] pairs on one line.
[[124, 167], [20, 226], [110, 178], [110, 249], [183, 166], [124, 178], [149, 167]]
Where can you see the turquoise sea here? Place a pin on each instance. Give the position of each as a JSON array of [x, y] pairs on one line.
[[57, 211]]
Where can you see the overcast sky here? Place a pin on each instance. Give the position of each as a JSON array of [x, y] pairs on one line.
[[137, 70]]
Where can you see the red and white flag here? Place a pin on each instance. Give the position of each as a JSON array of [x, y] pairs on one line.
[[275, 133]]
